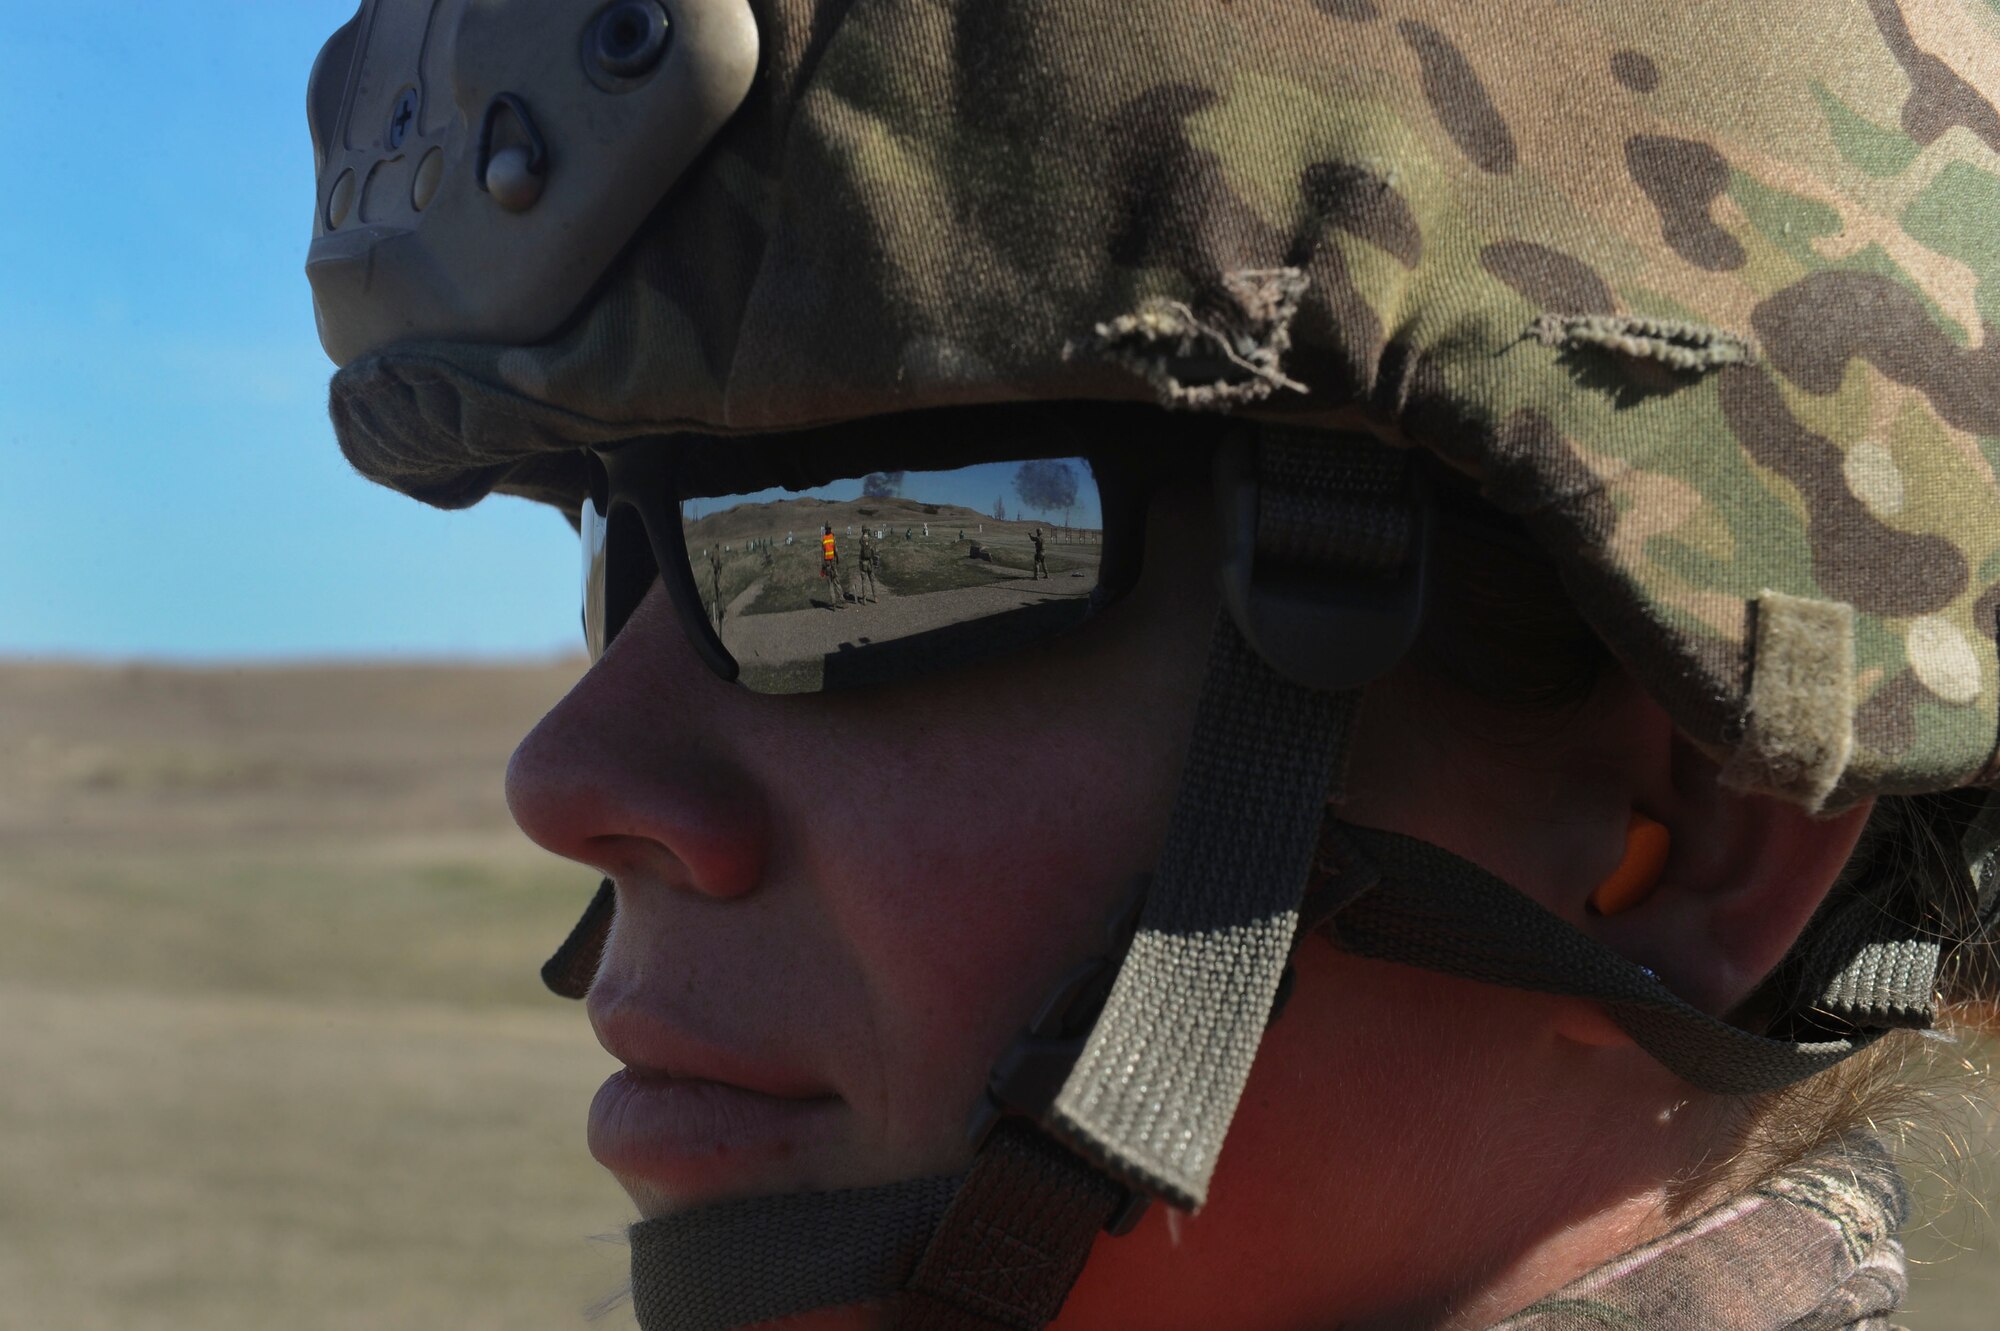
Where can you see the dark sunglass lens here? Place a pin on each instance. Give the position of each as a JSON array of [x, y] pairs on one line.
[[883, 576]]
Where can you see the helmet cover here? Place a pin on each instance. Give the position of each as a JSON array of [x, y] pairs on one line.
[[1700, 292]]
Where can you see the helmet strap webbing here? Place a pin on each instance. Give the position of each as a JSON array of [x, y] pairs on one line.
[[1153, 1093], [1160, 1075], [758, 1259], [1415, 903], [1014, 1240]]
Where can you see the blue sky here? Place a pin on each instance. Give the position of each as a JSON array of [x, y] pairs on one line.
[[977, 487], [169, 486]]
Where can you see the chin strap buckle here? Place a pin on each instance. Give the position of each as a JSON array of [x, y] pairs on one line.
[[1031, 1070]]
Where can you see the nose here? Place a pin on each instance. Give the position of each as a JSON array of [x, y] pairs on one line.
[[632, 772]]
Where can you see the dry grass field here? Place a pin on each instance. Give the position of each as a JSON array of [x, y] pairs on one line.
[[273, 1049]]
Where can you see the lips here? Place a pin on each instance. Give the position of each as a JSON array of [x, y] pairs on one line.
[[692, 1140], [692, 1121]]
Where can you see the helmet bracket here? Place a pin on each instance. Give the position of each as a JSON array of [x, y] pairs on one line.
[[1327, 592]]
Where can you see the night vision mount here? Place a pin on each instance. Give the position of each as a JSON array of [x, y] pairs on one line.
[[482, 162]]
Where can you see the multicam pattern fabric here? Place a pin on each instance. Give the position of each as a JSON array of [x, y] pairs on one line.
[[1707, 293], [1812, 1250]]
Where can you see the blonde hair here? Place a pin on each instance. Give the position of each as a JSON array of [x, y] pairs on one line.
[[1926, 1092]]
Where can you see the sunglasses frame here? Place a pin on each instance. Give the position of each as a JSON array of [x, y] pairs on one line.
[[651, 478]]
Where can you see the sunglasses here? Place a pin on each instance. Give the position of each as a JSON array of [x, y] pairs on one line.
[[879, 552]]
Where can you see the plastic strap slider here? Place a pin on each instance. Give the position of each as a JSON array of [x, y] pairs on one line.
[[1031, 1070]]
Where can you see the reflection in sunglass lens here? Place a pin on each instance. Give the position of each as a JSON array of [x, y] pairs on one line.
[[896, 573]]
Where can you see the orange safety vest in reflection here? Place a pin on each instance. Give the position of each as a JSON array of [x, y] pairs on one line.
[[826, 547]]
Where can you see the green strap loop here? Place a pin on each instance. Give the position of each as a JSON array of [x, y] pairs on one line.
[[1159, 1079]]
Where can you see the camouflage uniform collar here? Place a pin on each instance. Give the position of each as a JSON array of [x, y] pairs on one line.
[[1814, 1249]]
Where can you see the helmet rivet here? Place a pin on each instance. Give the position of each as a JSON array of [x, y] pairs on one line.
[[629, 38], [513, 181]]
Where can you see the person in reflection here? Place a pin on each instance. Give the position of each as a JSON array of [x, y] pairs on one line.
[[865, 567], [829, 568]]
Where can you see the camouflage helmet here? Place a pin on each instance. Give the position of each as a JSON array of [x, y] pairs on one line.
[[1713, 320], [1699, 293]]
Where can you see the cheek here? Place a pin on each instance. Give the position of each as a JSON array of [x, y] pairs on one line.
[[965, 903], [992, 849]]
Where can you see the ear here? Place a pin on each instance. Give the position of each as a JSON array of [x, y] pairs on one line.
[[1548, 813], [1743, 875]]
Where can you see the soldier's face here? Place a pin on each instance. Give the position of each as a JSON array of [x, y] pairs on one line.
[[835, 910]]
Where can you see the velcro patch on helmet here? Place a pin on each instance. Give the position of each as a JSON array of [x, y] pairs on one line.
[[1800, 730]]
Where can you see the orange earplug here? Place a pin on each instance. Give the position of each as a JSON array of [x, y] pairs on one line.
[[1646, 845]]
